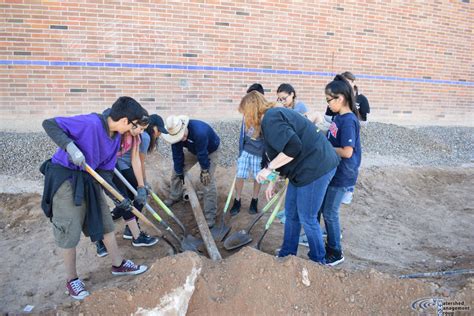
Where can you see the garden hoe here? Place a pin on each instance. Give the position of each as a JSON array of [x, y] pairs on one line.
[[242, 237], [183, 242], [119, 197]]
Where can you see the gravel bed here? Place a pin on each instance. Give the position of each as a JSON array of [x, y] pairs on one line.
[[23, 153]]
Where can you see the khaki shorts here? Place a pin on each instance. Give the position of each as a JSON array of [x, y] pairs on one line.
[[69, 219]]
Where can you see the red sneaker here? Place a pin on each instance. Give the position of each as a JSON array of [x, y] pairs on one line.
[[128, 268], [77, 289]]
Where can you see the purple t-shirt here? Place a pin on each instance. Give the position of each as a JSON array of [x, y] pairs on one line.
[[92, 138]]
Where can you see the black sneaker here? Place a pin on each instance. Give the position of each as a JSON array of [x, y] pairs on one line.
[[127, 234], [101, 250], [144, 240], [333, 258], [253, 209], [235, 208]]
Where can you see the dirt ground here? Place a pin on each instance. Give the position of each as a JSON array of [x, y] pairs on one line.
[[402, 220]]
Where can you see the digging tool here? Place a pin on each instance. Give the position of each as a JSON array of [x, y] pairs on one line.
[[185, 244], [119, 197], [242, 237], [201, 221], [436, 274], [219, 232], [271, 218], [190, 239]]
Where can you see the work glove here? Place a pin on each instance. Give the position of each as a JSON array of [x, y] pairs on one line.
[[181, 176], [205, 177], [140, 198], [125, 205], [75, 154], [148, 188]]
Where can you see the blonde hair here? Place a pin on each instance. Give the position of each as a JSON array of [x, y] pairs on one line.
[[253, 106]]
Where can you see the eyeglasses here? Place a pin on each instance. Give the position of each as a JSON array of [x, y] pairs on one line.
[[142, 122], [138, 126], [134, 125], [329, 100], [280, 99]]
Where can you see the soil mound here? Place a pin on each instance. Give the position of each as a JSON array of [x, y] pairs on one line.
[[252, 282]]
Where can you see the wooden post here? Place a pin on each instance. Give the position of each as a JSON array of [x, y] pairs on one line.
[[201, 221]]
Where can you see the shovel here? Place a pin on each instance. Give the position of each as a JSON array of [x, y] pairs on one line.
[[188, 239], [242, 237], [271, 218], [219, 232], [119, 197], [185, 245]]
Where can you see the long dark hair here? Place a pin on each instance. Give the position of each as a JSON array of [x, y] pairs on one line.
[[350, 76], [154, 120], [288, 88], [340, 86]]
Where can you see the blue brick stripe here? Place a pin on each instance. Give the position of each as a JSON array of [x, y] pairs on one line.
[[224, 69]]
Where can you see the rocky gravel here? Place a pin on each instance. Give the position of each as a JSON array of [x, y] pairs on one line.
[[23, 153]]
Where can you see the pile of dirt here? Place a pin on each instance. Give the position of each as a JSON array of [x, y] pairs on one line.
[[252, 282], [415, 219]]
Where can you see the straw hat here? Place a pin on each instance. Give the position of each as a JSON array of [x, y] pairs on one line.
[[176, 126]]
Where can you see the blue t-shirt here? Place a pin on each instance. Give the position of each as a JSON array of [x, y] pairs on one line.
[[125, 162], [300, 107], [345, 131]]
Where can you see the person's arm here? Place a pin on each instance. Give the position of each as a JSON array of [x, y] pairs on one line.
[[241, 137], [291, 150], [315, 117], [142, 162], [143, 149], [344, 152], [202, 154], [178, 157], [136, 163], [56, 133]]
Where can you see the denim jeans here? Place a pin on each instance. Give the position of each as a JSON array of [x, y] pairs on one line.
[[330, 212], [301, 208]]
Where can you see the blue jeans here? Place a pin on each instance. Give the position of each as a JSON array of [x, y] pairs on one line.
[[301, 208], [330, 212]]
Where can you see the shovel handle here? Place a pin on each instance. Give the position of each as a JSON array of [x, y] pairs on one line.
[[229, 196], [273, 200], [132, 189], [167, 210], [119, 197], [275, 210], [148, 206]]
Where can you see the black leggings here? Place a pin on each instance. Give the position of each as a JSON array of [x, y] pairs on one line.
[[130, 176]]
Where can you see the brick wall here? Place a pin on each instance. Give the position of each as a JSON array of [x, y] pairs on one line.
[[413, 59]]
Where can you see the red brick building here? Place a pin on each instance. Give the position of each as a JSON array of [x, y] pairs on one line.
[[413, 59]]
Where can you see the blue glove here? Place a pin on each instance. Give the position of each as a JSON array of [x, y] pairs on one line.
[[140, 198]]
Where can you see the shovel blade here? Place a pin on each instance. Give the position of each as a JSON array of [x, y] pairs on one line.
[[236, 240], [219, 233], [191, 243]]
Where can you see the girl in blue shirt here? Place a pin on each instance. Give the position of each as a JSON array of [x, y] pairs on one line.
[[344, 135]]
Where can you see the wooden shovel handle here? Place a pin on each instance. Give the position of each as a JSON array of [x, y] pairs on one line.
[[119, 197]]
